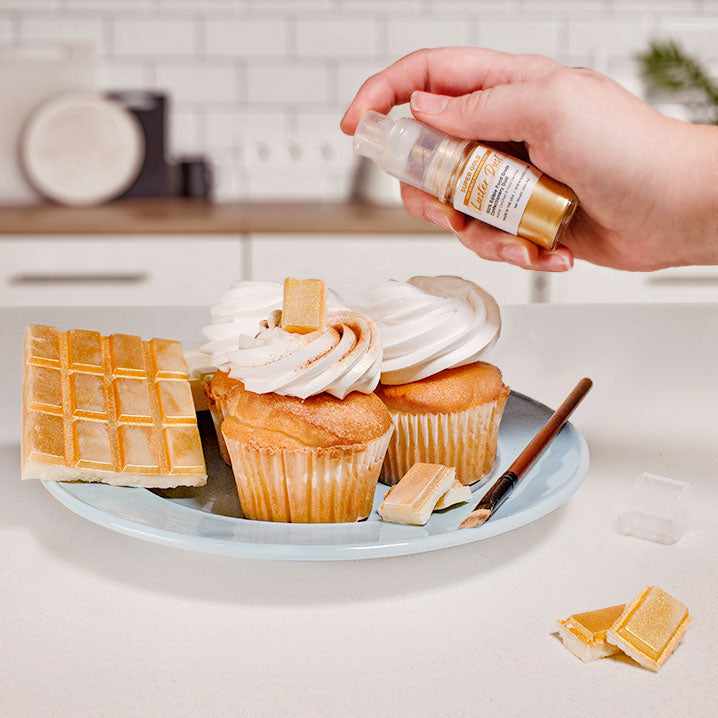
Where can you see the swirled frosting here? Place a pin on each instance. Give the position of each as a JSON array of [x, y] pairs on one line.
[[429, 324], [245, 340], [239, 313]]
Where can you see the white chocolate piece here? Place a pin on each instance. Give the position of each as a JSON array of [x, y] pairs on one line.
[[584, 634], [457, 494], [413, 499]]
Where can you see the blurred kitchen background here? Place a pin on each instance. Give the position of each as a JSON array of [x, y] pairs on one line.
[[221, 151]]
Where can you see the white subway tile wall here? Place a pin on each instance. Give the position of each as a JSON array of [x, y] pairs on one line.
[[266, 81]]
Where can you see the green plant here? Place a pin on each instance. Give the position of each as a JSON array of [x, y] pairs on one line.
[[666, 67]]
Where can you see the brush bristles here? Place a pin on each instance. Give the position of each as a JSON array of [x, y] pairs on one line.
[[475, 519]]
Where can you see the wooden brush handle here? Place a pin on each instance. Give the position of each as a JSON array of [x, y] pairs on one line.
[[540, 441]]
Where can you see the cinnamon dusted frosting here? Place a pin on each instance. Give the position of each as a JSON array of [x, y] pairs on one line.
[[239, 313], [342, 358], [430, 324]]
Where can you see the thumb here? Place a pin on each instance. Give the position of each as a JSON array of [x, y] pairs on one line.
[[515, 113]]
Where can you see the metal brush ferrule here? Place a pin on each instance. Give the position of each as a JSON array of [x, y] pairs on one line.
[[499, 492]]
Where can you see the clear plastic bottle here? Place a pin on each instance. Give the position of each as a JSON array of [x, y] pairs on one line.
[[477, 180]]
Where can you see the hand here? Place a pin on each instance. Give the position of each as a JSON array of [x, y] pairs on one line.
[[647, 184]]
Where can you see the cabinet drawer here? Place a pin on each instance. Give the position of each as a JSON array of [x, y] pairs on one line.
[[117, 270], [589, 284], [350, 265]]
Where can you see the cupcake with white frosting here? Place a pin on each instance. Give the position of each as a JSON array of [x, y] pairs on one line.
[[304, 431], [237, 317], [446, 404]]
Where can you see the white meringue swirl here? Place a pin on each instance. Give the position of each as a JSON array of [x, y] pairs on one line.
[[345, 357], [429, 324], [239, 313], [244, 340]]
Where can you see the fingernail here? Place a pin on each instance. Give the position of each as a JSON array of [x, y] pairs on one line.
[[515, 253], [427, 103], [558, 262], [437, 217]]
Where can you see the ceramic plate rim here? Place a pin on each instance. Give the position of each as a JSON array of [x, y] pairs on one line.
[[327, 552]]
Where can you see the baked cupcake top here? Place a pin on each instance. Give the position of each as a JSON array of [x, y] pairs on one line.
[[448, 391], [342, 358], [272, 421], [430, 324]]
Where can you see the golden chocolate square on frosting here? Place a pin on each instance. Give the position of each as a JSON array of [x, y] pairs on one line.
[[304, 308]]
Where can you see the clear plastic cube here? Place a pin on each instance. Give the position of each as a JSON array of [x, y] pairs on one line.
[[656, 509]]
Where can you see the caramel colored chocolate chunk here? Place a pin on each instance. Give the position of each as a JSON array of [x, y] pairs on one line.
[[304, 308], [115, 410], [584, 634], [412, 500], [650, 627]]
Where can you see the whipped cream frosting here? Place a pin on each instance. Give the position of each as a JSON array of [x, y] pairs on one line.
[[239, 313], [245, 340], [429, 324]]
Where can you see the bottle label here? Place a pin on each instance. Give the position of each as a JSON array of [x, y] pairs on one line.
[[495, 188]]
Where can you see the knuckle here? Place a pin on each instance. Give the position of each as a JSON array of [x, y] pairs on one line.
[[542, 62], [420, 54], [477, 102], [567, 83]]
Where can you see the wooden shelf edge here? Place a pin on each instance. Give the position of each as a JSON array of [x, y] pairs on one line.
[[196, 217]]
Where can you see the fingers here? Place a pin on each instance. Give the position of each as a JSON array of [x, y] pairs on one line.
[[450, 71], [486, 241], [494, 245], [516, 113], [424, 206]]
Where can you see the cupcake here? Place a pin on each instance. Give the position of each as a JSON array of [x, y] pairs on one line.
[[445, 403], [308, 461], [239, 313], [303, 429]]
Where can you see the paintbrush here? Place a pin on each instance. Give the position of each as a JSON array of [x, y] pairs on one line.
[[505, 484]]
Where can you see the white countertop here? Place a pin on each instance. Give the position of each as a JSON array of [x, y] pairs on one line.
[[93, 623]]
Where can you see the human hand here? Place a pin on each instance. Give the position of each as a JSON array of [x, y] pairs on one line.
[[646, 183]]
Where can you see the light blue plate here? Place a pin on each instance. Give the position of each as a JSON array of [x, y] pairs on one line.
[[207, 519]]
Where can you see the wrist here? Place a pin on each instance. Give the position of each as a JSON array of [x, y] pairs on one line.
[[696, 203]]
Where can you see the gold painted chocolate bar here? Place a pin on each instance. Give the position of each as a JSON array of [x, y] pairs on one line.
[[113, 409], [650, 627], [584, 634]]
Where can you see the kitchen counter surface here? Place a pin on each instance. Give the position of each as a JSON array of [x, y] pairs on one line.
[[178, 216], [96, 623]]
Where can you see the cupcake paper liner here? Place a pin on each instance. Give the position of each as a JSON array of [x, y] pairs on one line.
[[465, 440], [307, 485], [217, 418]]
